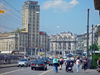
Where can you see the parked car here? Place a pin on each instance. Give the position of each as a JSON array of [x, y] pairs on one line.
[[40, 64], [24, 62], [50, 62]]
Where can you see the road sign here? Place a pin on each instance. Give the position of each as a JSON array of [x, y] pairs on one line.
[[1, 11], [89, 51]]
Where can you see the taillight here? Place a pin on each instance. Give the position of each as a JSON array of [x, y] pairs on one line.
[[49, 61], [32, 64], [41, 64]]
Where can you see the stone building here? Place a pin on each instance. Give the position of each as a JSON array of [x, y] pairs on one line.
[[63, 44]]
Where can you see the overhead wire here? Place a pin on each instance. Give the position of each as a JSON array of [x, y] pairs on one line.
[[11, 12], [10, 19], [12, 6]]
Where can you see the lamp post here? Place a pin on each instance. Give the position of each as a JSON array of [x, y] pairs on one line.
[[10, 46], [35, 51], [87, 33], [20, 49]]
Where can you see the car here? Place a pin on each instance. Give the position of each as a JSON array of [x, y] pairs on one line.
[[44, 59], [65, 58], [50, 62], [24, 62], [39, 64]]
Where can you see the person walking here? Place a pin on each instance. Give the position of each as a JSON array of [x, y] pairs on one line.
[[55, 64], [67, 63], [85, 65], [5, 58], [60, 62], [77, 64]]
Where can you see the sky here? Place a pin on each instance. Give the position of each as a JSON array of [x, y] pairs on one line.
[[56, 16]]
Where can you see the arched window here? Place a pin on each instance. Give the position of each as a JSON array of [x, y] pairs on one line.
[[65, 37], [69, 38], [60, 38]]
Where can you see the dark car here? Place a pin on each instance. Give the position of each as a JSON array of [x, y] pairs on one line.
[[45, 60], [39, 64], [50, 62]]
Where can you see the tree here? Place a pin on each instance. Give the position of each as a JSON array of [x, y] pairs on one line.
[[95, 58], [96, 47], [18, 30], [23, 29]]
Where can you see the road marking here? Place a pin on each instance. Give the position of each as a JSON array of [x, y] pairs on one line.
[[11, 71], [46, 72]]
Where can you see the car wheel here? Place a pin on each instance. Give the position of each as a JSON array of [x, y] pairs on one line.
[[35, 68], [43, 68], [46, 68], [31, 68], [29, 65], [49, 64], [17, 65]]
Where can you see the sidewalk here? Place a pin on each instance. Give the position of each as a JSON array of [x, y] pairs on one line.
[[8, 65]]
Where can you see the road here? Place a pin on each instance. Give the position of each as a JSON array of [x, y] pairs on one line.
[[49, 71]]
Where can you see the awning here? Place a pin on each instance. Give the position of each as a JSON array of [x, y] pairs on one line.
[[6, 51]]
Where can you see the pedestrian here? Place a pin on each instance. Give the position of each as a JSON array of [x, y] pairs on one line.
[[85, 65], [98, 64], [72, 60], [55, 64], [60, 62], [77, 64], [5, 58], [67, 63]]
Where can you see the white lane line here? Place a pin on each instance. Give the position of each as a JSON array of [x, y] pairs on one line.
[[11, 71], [46, 72]]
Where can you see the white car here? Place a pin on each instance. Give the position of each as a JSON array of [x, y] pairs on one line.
[[65, 58], [24, 62]]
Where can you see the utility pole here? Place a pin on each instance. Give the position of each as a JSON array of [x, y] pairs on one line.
[[94, 42], [28, 41], [45, 44], [92, 49], [87, 32]]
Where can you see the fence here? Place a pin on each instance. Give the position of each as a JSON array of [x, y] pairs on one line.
[[14, 58]]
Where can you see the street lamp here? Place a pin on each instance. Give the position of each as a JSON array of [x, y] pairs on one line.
[[20, 49], [10, 46], [87, 32]]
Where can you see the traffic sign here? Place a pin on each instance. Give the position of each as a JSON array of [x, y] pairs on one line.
[[1, 11]]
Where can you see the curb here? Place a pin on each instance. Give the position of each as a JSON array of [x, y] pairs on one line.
[[5, 66]]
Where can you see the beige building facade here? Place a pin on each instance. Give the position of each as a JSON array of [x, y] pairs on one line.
[[63, 43], [31, 22]]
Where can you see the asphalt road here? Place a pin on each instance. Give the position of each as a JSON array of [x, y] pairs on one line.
[[49, 71]]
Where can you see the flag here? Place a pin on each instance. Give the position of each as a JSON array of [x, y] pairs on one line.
[[1, 11]]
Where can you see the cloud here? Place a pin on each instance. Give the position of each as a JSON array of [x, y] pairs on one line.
[[6, 9], [60, 5]]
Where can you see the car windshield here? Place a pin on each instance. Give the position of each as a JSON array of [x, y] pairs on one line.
[[23, 60]]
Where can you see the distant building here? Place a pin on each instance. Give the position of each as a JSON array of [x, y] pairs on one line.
[[7, 42], [97, 35], [44, 41], [63, 43], [31, 23]]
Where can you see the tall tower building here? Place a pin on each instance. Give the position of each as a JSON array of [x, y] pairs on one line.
[[30, 22]]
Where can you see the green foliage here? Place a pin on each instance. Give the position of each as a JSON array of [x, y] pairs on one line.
[[96, 47], [18, 30], [95, 58], [23, 29]]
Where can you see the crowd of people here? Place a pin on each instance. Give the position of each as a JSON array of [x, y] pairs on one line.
[[69, 63]]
